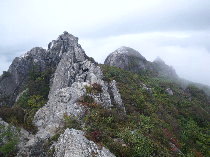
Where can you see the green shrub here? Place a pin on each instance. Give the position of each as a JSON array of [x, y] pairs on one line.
[[88, 101], [140, 145], [71, 122], [8, 140], [14, 115], [93, 89]]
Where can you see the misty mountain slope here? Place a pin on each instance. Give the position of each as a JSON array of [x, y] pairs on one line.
[[129, 59], [176, 120], [70, 105]]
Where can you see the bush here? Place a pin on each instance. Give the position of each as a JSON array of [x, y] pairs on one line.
[[88, 101], [8, 140], [94, 89], [14, 115], [71, 122]]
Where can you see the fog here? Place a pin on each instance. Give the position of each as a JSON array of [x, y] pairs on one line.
[[177, 31]]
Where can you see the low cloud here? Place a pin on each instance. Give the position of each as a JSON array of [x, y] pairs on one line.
[[187, 55], [176, 30]]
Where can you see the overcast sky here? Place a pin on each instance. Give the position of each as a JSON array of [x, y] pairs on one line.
[[178, 31]]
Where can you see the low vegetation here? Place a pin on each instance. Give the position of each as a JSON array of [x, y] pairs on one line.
[[156, 123], [8, 140]]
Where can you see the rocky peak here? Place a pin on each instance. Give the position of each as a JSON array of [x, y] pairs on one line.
[[128, 52], [12, 84], [63, 43], [74, 73], [127, 58]]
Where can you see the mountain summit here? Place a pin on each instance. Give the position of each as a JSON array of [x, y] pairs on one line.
[[128, 59]]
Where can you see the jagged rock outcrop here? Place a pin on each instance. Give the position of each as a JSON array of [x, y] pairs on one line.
[[131, 60], [116, 95], [12, 81], [74, 73], [73, 143]]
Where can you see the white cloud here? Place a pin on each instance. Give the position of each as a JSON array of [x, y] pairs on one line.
[[176, 30]]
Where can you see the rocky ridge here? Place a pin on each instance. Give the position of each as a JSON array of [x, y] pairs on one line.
[[74, 73], [13, 81], [91, 99]]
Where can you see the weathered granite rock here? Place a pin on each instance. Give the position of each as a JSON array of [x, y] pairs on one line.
[[64, 101], [169, 91], [116, 95], [12, 82], [73, 143], [128, 59], [74, 73]]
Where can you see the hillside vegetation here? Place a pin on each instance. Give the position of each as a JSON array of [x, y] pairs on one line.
[[156, 123]]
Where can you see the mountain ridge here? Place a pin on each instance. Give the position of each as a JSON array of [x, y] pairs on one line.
[[126, 107]]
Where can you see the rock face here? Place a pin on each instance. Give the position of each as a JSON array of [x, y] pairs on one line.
[[128, 59], [73, 143], [12, 82], [131, 60], [75, 72]]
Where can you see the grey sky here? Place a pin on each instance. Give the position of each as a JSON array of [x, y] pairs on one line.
[[176, 30]]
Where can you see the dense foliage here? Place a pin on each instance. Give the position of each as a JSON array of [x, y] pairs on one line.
[[156, 123], [8, 140]]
